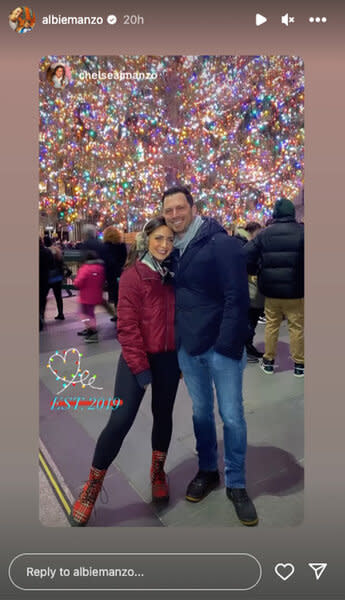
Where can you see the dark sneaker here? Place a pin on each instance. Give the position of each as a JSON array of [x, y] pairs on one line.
[[202, 484], [91, 337], [83, 332], [267, 366], [59, 318], [252, 351], [299, 370], [244, 507]]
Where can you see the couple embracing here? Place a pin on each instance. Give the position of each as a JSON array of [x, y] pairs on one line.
[[183, 306]]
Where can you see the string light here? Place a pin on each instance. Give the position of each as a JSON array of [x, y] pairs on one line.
[[78, 376], [229, 127]]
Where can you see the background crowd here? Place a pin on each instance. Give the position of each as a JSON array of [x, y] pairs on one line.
[[110, 248]]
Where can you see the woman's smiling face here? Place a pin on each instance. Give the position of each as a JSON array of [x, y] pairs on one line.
[[161, 242]]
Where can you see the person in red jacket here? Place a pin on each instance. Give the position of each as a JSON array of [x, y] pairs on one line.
[[90, 281], [146, 310]]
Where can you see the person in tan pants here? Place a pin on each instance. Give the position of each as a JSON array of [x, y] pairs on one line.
[[276, 255], [275, 310]]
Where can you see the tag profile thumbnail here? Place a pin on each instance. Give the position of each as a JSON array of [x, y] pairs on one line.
[[58, 74], [22, 19]]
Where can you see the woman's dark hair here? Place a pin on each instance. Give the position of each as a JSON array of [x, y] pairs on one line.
[[140, 246], [152, 225], [179, 189], [51, 72], [60, 67]]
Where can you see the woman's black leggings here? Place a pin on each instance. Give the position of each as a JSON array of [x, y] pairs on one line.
[[165, 379]]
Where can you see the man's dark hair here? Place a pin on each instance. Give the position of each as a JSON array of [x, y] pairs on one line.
[[252, 226], [179, 189]]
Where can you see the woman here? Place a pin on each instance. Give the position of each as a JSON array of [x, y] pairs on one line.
[[146, 333], [56, 75], [114, 255]]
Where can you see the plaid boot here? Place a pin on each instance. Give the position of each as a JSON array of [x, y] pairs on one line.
[[82, 508], [159, 480]]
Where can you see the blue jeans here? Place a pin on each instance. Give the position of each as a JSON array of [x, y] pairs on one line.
[[199, 373]]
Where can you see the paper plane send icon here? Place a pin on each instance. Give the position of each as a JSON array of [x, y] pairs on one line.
[[259, 19], [318, 569]]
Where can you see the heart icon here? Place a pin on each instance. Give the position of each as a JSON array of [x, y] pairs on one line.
[[284, 570], [66, 366]]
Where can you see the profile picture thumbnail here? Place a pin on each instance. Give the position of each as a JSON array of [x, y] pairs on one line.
[[58, 75], [22, 19]]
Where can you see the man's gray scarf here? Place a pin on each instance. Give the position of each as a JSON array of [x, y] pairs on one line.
[[182, 243]]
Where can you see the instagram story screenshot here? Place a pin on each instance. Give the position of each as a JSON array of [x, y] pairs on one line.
[[172, 300]]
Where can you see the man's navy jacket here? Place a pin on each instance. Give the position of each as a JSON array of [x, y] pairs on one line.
[[212, 298]]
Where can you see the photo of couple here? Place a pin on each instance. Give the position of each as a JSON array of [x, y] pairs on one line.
[[205, 301]]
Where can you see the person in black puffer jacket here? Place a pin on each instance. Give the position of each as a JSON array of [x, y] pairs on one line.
[[277, 256]]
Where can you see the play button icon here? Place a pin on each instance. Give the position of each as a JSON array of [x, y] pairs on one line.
[[259, 19]]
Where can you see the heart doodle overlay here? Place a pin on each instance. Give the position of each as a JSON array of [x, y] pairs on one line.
[[71, 363], [284, 570], [70, 370]]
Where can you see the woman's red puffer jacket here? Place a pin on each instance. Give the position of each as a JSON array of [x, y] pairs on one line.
[[146, 314]]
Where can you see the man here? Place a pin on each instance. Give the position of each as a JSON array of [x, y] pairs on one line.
[[91, 242], [211, 329], [277, 254]]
